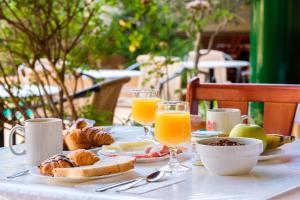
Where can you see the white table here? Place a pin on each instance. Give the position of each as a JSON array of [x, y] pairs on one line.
[[268, 178], [111, 73], [211, 65], [29, 90], [217, 64]]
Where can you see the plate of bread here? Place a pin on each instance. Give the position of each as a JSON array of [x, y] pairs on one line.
[[82, 165], [82, 135]]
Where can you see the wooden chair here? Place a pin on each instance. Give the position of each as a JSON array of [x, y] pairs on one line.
[[280, 101]]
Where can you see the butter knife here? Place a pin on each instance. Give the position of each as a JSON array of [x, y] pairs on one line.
[[22, 173], [102, 189]]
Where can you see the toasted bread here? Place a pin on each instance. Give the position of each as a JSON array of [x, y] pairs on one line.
[[110, 165]]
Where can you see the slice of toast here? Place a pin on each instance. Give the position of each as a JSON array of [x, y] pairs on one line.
[[110, 165]]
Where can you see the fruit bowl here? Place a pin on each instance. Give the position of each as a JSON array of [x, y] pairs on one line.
[[229, 160]]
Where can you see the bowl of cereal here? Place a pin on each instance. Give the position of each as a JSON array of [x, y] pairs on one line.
[[229, 156]]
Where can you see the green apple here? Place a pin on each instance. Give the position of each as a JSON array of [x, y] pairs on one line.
[[249, 131]]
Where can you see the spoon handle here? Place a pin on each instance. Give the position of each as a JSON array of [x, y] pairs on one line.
[[128, 186]]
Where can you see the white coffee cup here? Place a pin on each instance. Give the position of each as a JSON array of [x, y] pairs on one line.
[[43, 139], [224, 119]]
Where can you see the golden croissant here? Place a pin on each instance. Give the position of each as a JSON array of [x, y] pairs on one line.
[[87, 138], [82, 157], [76, 139], [97, 137], [57, 161], [80, 124]]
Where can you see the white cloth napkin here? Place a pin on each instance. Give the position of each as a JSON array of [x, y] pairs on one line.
[[142, 187]]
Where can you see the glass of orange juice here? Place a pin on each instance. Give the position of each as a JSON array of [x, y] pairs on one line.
[[172, 128], [144, 109]]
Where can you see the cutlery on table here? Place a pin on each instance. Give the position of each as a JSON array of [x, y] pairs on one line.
[[22, 173], [153, 177], [102, 189]]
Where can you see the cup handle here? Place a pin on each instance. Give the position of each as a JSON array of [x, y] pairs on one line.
[[11, 135], [250, 120]]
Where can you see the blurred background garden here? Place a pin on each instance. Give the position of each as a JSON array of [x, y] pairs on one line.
[[81, 58]]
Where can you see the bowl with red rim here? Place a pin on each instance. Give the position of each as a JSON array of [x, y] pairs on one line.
[[237, 157]]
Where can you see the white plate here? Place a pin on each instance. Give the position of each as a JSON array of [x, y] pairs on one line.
[[35, 171], [139, 160], [95, 150], [152, 159], [271, 154]]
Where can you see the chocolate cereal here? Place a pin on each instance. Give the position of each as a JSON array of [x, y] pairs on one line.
[[224, 142]]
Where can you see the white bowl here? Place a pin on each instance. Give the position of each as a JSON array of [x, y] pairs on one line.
[[229, 160]]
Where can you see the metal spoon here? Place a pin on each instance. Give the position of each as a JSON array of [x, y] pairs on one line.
[[153, 177]]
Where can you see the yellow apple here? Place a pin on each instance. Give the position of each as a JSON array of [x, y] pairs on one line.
[[249, 131]]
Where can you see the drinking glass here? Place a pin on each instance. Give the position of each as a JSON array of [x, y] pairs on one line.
[[172, 128], [144, 108]]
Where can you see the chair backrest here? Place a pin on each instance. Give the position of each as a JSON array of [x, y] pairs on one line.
[[280, 101], [105, 99]]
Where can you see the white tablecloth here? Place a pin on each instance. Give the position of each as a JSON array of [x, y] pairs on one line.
[[266, 179]]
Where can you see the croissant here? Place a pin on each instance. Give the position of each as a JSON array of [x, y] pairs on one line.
[[65, 133], [80, 124], [87, 138], [76, 139], [57, 161], [97, 137], [82, 157]]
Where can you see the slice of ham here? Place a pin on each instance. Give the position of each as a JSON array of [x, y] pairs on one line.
[[155, 151], [159, 151]]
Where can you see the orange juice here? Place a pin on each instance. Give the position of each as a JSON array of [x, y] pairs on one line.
[[143, 110], [172, 127]]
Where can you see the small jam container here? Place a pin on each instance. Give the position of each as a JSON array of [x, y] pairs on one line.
[[199, 135]]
